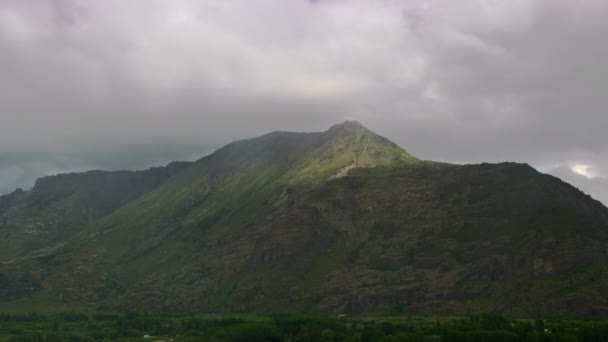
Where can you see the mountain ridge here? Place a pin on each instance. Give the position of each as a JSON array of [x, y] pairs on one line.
[[79, 197]]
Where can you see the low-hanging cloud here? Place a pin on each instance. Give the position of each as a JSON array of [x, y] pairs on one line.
[[130, 84]]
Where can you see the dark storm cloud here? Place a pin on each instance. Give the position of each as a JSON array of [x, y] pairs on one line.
[[130, 84]]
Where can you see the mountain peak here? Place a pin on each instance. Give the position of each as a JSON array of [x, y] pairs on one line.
[[348, 125], [353, 145]]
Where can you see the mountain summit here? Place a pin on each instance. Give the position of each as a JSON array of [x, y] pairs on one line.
[[336, 221], [367, 148]]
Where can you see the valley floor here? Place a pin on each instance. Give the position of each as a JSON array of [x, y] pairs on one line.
[[98, 326]]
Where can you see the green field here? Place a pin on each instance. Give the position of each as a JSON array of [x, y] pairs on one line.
[[98, 326]]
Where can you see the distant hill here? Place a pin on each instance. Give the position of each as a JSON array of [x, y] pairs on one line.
[[336, 221], [59, 206]]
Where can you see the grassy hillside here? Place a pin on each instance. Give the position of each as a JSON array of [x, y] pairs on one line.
[[58, 206]]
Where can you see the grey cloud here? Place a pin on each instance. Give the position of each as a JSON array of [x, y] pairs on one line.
[[98, 84]]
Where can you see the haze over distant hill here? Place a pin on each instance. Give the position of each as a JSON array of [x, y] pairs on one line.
[[336, 221]]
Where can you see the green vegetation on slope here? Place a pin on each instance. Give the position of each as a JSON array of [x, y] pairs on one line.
[[59, 206]]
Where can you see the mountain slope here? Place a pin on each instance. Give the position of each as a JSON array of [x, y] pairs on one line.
[[342, 220], [58, 206]]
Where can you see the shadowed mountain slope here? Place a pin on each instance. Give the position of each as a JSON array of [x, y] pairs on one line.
[[59, 206]]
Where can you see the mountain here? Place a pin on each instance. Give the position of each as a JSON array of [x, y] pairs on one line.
[[336, 221]]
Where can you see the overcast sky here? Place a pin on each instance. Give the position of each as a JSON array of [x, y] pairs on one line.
[[129, 84]]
